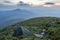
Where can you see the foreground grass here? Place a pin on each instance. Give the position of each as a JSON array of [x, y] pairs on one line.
[[35, 25]]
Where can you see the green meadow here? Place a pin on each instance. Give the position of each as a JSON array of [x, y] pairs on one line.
[[35, 26]]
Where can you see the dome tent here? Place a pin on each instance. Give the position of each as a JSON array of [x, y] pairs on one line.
[[22, 31]]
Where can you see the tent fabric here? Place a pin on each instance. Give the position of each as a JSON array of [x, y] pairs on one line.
[[22, 31], [18, 32]]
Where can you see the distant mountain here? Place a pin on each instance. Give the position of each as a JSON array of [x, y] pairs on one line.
[[14, 16]]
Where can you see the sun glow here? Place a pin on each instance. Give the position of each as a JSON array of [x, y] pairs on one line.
[[57, 4]]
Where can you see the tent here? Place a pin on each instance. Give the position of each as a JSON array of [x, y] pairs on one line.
[[22, 31]]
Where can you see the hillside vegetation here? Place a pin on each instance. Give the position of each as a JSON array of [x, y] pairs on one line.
[[51, 25]]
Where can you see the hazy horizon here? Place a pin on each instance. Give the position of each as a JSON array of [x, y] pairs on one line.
[[12, 11]]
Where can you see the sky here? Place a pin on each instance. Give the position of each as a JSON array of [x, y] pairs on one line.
[[12, 4], [35, 2]]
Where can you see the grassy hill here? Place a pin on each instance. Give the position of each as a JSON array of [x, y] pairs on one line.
[[41, 22], [35, 25]]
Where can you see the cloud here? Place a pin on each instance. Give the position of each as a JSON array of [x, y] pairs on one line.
[[40, 2], [57, 1], [35, 2], [7, 2], [13, 1]]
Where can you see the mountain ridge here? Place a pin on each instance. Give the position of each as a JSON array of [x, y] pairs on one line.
[[16, 15]]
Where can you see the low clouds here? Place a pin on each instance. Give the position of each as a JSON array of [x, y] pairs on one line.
[[13, 4], [35, 2], [41, 2], [7, 2]]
